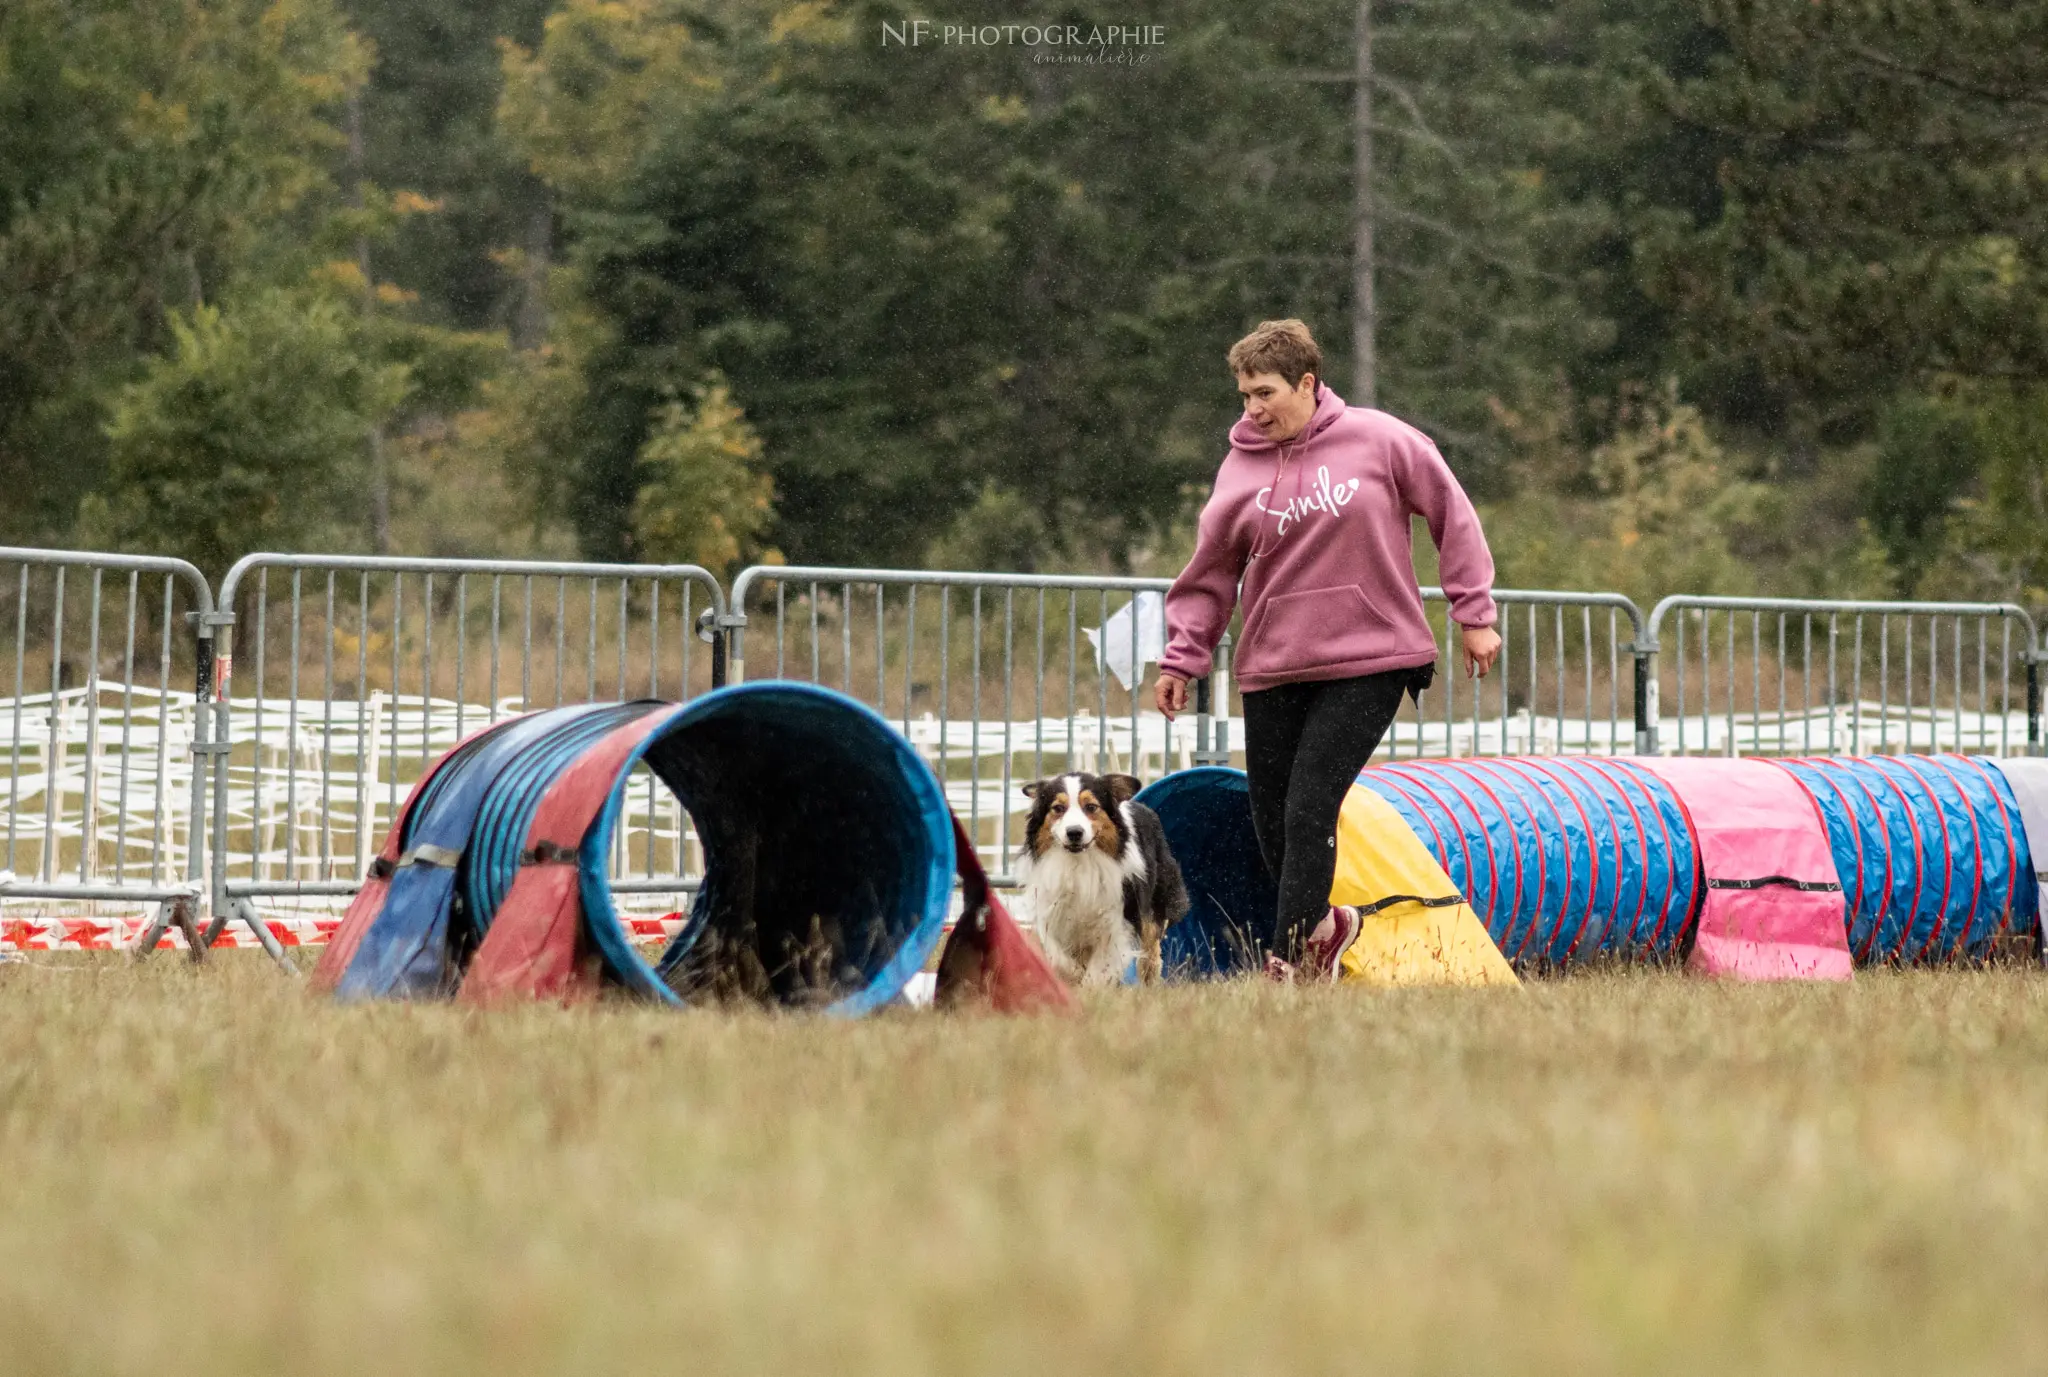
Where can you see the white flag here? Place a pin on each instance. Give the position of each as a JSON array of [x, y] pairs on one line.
[[1115, 636]]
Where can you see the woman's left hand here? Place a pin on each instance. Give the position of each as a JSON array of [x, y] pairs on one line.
[[1482, 648]]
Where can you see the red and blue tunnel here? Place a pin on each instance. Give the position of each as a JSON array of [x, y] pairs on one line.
[[829, 859]]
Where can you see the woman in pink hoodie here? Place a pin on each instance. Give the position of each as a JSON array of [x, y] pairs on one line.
[[1308, 527]]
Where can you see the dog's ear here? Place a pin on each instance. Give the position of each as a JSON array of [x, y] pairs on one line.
[[1123, 788], [1031, 789]]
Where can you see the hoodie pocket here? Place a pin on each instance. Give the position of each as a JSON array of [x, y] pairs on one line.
[[1313, 628]]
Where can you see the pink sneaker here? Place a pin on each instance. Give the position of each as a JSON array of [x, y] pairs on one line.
[[1279, 972], [1331, 939]]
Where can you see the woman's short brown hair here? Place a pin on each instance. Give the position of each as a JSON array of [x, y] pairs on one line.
[[1278, 346]]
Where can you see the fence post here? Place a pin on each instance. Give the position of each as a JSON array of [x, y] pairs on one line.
[[725, 656], [2033, 704], [1644, 650], [729, 647], [1212, 701], [221, 626], [198, 852], [220, 670]]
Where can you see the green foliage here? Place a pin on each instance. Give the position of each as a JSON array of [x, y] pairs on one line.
[[1927, 455], [932, 275], [1882, 221], [428, 114], [703, 502], [1991, 544], [249, 434], [969, 308], [1001, 529], [151, 151], [1661, 509]]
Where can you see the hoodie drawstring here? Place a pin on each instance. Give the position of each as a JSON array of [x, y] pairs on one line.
[[1279, 475]]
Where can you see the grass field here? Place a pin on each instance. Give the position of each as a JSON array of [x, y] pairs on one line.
[[204, 1171]]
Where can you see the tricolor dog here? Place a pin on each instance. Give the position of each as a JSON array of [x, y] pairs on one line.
[[1102, 884]]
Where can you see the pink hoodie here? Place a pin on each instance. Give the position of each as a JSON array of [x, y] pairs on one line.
[[1316, 527]]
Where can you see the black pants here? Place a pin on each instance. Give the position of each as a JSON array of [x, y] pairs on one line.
[[1304, 745]]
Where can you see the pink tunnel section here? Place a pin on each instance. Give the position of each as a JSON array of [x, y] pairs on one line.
[[1774, 907]]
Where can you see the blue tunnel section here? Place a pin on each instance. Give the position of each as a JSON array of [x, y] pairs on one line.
[[828, 851], [1207, 817], [1931, 852], [1564, 859]]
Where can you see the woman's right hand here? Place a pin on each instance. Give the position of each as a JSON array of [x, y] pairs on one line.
[[1170, 693]]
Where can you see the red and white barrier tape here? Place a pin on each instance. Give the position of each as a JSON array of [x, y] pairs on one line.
[[120, 934]]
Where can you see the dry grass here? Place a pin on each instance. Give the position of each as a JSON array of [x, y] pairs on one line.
[[206, 1172]]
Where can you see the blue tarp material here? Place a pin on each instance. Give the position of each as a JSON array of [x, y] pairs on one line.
[[1931, 851], [828, 846], [1207, 817], [1231, 900], [411, 951], [2027, 777], [507, 810], [1563, 858]]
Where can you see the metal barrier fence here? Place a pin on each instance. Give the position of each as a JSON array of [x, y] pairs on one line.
[[358, 672], [1565, 683], [354, 673], [103, 800], [996, 679], [1843, 677], [1002, 678]]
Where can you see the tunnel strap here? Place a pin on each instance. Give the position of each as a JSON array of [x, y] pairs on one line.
[[1778, 882], [548, 852], [1446, 901], [426, 853]]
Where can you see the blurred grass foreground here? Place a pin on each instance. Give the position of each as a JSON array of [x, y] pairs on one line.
[[208, 1172]]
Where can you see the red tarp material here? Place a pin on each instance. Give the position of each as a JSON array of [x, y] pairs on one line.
[[536, 947], [989, 956], [1774, 907], [369, 900]]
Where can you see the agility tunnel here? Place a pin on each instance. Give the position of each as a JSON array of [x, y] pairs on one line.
[[1750, 868], [829, 859], [1418, 926]]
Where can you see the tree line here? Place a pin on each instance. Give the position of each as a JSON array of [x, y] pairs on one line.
[[1727, 295]]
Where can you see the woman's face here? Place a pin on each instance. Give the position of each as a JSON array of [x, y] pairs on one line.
[[1279, 411]]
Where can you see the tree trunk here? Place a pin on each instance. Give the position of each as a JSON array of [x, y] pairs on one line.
[[380, 474], [1364, 310], [530, 321]]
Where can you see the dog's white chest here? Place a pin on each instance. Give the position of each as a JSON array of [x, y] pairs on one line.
[[1078, 900]]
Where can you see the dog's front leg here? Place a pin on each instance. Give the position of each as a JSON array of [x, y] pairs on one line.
[[1063, 965], [1150, 962]]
